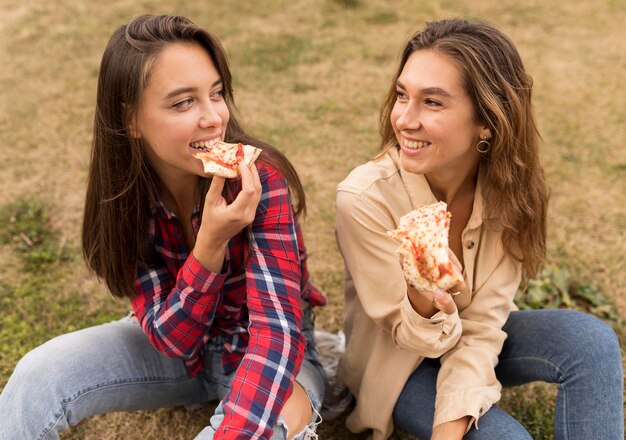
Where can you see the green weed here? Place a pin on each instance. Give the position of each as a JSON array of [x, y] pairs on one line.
[[39, 301], [555, 289], [25, 224]]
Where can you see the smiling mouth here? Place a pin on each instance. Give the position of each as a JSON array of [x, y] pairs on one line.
[[204, 145], [415, 145]]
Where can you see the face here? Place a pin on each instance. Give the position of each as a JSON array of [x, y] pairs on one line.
[[433, 118], [181, 108]]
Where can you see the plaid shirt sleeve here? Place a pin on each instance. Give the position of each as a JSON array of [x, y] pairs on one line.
[[177, 314], [264, 379]]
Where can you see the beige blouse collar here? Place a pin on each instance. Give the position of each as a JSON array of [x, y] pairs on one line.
[[420, 194]]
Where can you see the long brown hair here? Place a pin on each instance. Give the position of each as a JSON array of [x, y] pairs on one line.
[[500, 90], [120, 178]]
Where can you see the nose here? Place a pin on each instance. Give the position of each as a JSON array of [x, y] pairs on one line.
[[209, 117], [408, 118]]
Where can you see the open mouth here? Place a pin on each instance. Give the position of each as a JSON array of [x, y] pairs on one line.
[[415, 145], [204, 145]]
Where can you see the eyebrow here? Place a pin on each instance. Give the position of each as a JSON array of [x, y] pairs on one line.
[[183, 90], [428, 90]]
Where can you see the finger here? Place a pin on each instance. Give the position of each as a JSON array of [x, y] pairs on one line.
[[250, 193], [215, 190], [249, 175], [255, 176], [459, 288], [246, 175], [444, 302]]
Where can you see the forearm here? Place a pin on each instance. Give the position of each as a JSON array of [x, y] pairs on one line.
[[175, 314], [264, 379]]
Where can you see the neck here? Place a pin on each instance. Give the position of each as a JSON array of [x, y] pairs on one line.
[[448, 187], [179, 195]]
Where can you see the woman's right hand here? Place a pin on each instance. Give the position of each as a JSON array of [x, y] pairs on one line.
[[221, 221], [427, 303]]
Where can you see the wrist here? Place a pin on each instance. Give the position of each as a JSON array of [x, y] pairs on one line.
[[210, 255], [454, 429]]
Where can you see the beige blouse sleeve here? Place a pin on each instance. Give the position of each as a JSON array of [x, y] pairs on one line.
[[467, 384], [371, 260]]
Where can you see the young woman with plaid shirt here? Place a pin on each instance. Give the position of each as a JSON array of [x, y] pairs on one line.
[[216, 270]]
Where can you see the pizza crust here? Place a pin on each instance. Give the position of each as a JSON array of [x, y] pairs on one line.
[[223, 160], [423, 237]]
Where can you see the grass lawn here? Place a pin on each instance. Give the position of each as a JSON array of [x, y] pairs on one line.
[[309, 78]]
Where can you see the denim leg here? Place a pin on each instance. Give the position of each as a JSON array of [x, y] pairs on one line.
[[111, 367], [415, 410], [572, 349], [582, 356]]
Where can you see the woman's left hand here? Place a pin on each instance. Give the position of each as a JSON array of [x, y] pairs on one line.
[[453, 430]]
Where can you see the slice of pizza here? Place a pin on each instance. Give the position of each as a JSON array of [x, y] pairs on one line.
[[423, 237], [222, 159]]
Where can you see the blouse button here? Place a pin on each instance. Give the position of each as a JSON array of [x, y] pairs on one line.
[[469, 244]]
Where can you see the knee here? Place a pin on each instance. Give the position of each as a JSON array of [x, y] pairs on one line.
[[596, 343], [36, 368], [29, 382], [297, 411], [600, 337]]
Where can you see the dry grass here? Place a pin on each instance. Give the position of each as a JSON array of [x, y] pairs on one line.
[[309, 77]]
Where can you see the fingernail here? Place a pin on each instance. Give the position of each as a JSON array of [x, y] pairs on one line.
[[455, 293], [439, 293]]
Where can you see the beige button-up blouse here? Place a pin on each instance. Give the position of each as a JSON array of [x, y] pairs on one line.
[[386, 340]]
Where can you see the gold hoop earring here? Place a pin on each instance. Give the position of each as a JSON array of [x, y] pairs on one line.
[[483, 146]]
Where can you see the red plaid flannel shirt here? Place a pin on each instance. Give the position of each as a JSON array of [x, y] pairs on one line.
[[254, 305]]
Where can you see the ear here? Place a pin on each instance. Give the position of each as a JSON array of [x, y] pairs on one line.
[[132, 126], [485, 133], [131, 121]]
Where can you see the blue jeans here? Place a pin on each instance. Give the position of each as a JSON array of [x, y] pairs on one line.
[[113, 367], [574, 350]]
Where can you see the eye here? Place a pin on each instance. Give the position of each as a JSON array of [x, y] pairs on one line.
[[217, 95], [432, 103], [401, 96], [183, 104]]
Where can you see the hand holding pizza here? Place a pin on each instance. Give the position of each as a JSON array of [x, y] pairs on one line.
[[221, 221], [429, 266]]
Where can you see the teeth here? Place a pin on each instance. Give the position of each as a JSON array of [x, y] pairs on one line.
[[204, 145], [415, 145]]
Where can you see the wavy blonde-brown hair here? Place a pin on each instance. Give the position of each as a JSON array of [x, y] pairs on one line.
[[500, 90]]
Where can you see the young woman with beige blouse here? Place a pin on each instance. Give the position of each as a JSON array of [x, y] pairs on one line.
[[457, 126]]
